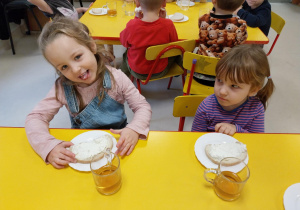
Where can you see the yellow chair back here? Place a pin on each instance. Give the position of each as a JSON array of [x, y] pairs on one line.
[[186, 106], [204, 65], [277, 24], [153, 51], [158, 52]]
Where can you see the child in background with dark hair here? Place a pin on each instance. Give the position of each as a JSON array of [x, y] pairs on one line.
[[140, 34], [257, 13], [242, 88], [93, 93]]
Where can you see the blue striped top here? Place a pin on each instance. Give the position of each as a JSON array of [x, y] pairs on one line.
[[248, 117]]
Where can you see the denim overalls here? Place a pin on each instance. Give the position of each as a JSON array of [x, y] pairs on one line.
[[109, 114]]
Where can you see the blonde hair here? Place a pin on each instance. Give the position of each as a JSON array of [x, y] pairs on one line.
[[78, 31], [229, 5], [248, 64]]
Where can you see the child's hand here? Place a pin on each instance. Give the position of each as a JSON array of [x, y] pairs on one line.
[[225, 128], [127, 141], [60, 156]]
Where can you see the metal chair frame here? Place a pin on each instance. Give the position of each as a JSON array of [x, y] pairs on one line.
[[14, 5], [277, 24]]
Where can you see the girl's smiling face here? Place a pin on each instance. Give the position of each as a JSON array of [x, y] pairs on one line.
[[75, 61], [231, 95]]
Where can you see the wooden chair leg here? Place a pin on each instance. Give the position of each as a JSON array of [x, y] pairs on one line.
[[170, 81], [181, 123]]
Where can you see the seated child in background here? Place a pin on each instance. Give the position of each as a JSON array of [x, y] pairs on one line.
[[51, 8], [140, 34], [93, 93], [242, 88], [257, 13], [219, 31]]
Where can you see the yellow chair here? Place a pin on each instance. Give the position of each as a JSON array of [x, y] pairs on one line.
[[186, 106], [204, 65], [277, 24], [164, 51]]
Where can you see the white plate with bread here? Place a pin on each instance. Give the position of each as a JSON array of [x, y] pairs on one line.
[[98, 11], [213, 147], [178, 17], [191, 4], [89, 145]]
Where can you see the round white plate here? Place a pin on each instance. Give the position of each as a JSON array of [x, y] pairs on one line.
[[185, 18], [191, 3], [89, 136], [211, 138], [104, 12], [291, 197]]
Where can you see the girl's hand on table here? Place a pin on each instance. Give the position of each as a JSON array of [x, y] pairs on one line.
[[127, 141], [60, 156], [225, 128]]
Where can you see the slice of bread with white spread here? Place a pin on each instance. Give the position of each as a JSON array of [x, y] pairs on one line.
[[85, 152], [177, 17], [216, 152]]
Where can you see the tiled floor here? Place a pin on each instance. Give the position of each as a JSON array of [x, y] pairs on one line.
[[26, 78]]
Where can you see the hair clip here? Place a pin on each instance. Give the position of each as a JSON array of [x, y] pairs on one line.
[[269, 77]]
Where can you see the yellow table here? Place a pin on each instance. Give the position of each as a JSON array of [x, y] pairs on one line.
[[107, 29], [161, 173]]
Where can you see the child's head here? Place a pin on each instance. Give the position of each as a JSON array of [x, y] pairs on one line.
[[246, 67], [228, 5], [151, 5], [254, 3], [66, 44]]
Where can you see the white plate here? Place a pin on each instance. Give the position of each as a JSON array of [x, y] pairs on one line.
[[191, 3], [211, 138], [89, 136], [185, 18], [291, 198], [104, 12]]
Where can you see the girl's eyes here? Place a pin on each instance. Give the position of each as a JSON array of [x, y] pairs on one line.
[[235, 86], [219, 80], [64, 67], [77, 57]]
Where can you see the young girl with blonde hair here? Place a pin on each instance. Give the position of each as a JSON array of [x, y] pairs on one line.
[[242, 88], [93, 93]]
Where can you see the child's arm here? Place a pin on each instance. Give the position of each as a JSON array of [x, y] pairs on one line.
[[127, 141], [256, 125], [42, 5], [37, 128], [225, 128], [257, 20], [200, 121], [252, 125], [81, 10], [60, 156], [138, 128]]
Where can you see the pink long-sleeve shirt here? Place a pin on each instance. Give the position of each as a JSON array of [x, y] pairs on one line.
[[37, 122]]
